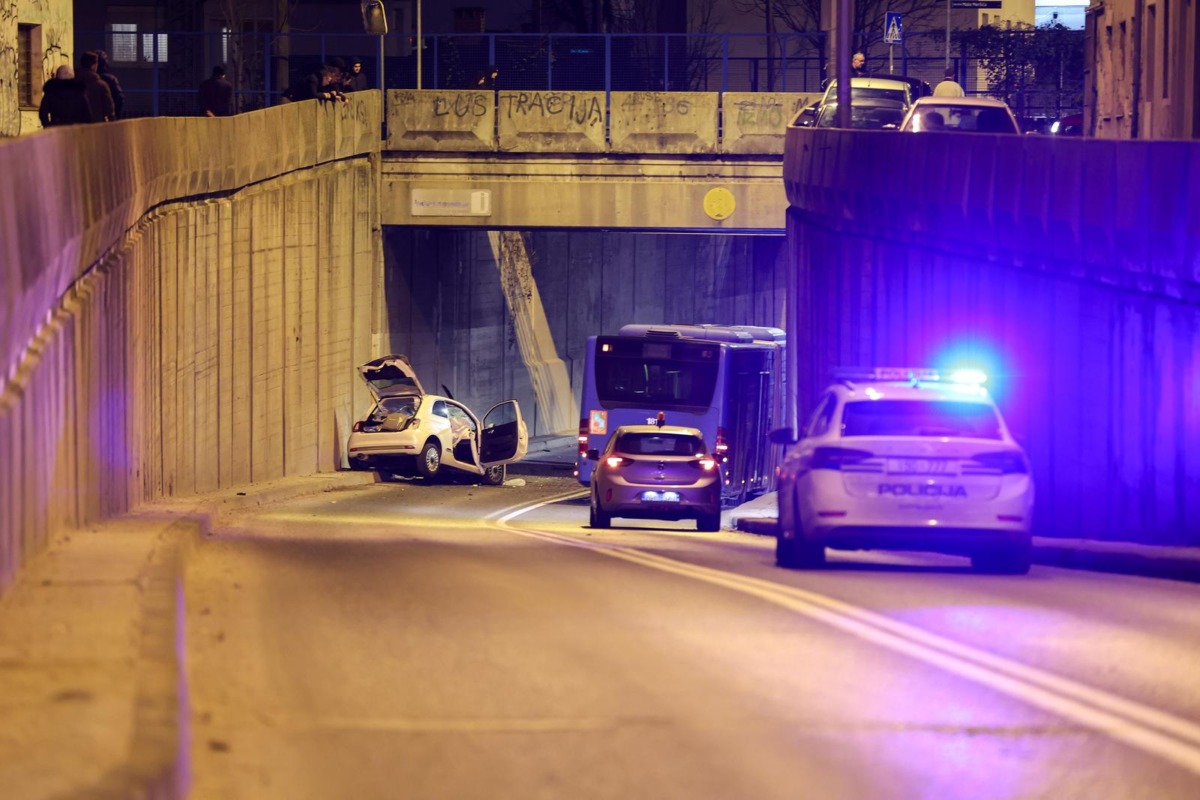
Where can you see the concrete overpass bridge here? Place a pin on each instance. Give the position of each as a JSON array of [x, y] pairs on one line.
[[184, 300]]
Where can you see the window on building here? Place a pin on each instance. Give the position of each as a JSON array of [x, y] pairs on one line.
[[123, 45], [28, 67], [128, 46]]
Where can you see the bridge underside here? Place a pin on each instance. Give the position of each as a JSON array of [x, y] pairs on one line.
[[715, 194]]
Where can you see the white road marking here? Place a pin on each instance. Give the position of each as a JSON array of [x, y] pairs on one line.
[[1148, 729]]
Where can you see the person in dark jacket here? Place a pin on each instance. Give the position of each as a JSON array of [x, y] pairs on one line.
[[324, 83], [216, 95], [356, 79], [487, 79], [64, 100], [114, 85], [99, 96]]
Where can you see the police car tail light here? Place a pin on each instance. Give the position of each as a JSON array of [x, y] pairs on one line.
[[837, 457], [583, 436], [1006, 462], [616, 461]]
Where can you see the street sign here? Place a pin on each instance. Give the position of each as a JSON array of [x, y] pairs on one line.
[[976, 3], [893, 27]]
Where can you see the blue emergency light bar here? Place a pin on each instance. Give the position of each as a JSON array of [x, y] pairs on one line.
[[965, 377]]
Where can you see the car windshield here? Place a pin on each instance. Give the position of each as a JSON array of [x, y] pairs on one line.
[[659, 444], [960, 119], [920, 418], [876, 115]]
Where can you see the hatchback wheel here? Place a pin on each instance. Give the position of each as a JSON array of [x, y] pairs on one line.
[[709, 523], [429, 462], [493, 476], [596, 517]]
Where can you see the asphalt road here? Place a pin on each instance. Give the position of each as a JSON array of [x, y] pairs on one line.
[[427, 641]]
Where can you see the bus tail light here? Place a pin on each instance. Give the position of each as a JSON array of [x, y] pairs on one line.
[[721, 450], [583, 436], [836, 457]]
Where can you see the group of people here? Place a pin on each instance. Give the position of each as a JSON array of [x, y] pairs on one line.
[[92, 95], [947, 87], [332, 81]]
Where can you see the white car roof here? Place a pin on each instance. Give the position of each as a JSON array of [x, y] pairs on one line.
[[966, 102]]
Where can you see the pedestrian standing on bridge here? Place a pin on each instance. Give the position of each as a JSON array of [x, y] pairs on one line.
[[858, 66], [356, 79], [114, 85], [487, 79], [64, 100], [99, 96], [216, 95], [948, 87]]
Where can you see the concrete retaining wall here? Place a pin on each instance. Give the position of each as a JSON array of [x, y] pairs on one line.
[[182, 311], [1067, 269], [551, 122], [441, 120]]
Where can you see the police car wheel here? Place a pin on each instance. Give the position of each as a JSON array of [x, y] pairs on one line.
[[1014, 560], [792, 553]]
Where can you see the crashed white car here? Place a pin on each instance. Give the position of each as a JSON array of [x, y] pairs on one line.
[[409, 432]]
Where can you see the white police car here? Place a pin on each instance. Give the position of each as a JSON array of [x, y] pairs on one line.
[[905, 459]]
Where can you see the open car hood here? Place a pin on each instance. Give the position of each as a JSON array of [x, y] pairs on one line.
[[391, 376]]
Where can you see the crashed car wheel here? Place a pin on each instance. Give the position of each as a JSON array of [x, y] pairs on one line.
[[429, 462], [493, 476]]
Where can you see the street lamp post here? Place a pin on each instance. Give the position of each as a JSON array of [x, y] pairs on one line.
[[947, 34]]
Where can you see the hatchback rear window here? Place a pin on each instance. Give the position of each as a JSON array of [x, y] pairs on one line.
[[920, 418], [657, 444]]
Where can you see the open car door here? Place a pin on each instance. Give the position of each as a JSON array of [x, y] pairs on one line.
[[504, 439]]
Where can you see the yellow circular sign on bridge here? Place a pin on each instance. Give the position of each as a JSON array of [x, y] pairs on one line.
[[719, 203]]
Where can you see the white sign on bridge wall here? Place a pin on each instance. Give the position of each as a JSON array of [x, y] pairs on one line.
[[451, 202]]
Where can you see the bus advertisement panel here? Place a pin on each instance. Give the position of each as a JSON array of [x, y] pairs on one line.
[[725, 380]]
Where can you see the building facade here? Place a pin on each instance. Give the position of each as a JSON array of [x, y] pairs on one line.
[[36, 37], [1143, 65]]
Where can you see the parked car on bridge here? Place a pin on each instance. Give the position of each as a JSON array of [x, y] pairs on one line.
[[409, 432], [656, 471], [960, 115], [867, 113], [905, 459], [872, 93]]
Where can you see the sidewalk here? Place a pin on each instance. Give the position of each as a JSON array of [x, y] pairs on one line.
[[92, 697], [1177, 563]]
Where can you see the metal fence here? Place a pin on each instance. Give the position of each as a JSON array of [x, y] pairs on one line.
[[160, 72]]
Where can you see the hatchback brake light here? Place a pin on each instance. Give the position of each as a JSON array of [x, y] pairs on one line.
[[837, 457], [615, 461], [708, 464]]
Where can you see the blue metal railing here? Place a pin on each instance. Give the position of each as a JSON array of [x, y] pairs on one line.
[[160, 72]]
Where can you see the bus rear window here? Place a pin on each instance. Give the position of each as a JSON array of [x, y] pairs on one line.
[[662, 384], [920, 418]]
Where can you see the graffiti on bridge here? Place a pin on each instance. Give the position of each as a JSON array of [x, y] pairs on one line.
[[462, 104], [579, 109]]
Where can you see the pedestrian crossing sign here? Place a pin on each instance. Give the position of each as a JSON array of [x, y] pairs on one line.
[[893, 28]]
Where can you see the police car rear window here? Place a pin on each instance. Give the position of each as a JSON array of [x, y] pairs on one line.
[[920, 418], [654, 444]]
